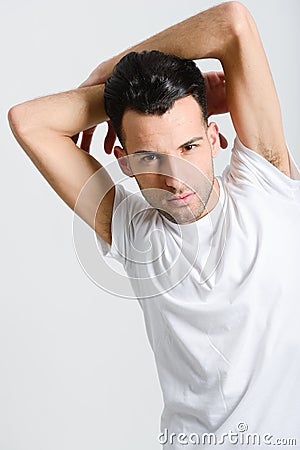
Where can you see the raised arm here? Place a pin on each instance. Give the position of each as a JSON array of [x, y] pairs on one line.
[[228, 33], [43, 127]]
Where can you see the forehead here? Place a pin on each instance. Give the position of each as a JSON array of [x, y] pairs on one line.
[[170, 130]]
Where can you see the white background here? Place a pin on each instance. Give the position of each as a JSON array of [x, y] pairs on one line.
[[76, 370]]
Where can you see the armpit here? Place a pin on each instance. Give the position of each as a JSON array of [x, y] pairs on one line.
[[280, 160]]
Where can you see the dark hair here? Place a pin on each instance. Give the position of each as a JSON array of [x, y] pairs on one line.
[[150, 82]]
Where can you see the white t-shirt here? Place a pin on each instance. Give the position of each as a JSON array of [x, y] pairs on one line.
[[221, 302]]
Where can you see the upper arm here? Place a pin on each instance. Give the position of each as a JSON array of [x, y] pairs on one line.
[[251, 95], [78, 178]]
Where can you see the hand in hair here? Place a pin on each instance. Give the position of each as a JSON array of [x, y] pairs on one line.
[[215, 93], [87, 136], [98, 76]]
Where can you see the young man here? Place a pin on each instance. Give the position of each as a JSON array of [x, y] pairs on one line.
[[212, 260]]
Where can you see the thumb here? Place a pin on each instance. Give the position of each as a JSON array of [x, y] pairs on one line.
[[110, 138], [223, 141]]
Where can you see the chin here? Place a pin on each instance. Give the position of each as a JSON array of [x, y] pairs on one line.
[[182, 217]]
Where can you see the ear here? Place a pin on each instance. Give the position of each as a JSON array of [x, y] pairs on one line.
[[214, 138], [123, 160]]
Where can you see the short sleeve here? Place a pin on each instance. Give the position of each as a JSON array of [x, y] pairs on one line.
[[248, 167], [127, 207]]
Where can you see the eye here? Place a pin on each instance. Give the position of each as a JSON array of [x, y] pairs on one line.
[[190, 147], [149, 158]]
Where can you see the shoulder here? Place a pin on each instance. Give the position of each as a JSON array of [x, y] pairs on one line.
[[248, 167]]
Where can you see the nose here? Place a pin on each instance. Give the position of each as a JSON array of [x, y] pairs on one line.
[[172, 172]]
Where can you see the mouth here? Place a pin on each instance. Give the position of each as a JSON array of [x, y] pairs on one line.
[[181, 200]]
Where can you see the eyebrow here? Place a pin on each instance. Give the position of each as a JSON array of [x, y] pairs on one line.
[[189, 142]]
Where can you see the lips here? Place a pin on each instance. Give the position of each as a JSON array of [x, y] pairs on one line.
[[182, 200], [181, 197]]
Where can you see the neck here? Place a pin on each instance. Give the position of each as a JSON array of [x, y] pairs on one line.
[[213, 199]]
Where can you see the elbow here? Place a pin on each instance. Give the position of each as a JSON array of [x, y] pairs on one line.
[[239, 19], [17, 118], [11, 117], [242, 31], [14, 119]]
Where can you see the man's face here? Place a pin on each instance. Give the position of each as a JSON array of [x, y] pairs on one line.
[[170, 157]]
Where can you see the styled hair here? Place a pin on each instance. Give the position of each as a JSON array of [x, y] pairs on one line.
[[150, 82]]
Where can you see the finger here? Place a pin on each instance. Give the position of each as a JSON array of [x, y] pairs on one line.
[[223, 141], [91, 81], [86, 140], [221, 75], [213, 78], [216, 76], [110, 138], [75, 138], [222, 79]]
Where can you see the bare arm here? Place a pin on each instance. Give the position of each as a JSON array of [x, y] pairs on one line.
[[44, 126], [228, 33]]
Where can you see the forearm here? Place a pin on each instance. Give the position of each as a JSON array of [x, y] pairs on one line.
[[205, 35], [66, 113]]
